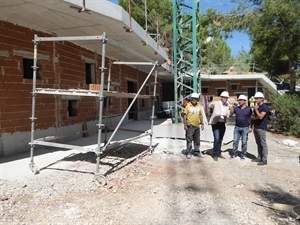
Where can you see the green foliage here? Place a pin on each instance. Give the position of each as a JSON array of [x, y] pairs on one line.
[[242, 62], [159, 17], [215, 52], [216, 57], [287, 114], [274, 29]]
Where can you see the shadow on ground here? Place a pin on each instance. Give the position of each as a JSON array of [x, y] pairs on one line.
[[277, 195], [115, 159], [228, 153]]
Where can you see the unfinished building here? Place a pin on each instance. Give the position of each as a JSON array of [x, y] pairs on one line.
[[70, 64]]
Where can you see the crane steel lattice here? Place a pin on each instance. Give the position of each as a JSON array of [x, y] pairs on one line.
[[186, 51]]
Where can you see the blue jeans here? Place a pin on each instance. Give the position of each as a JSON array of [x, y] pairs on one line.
[[240, 132], [218, 132]]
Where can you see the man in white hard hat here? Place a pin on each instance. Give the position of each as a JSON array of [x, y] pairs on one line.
[[221, 111], [242, 126], [259, 121], [193, 120]]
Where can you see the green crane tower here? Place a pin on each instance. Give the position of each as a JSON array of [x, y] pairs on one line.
[[186, 51]]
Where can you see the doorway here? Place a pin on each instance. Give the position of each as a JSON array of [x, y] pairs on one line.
[[252, 91], [132, 88]]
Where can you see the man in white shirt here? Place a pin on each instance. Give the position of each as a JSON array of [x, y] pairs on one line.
[[218, 120]]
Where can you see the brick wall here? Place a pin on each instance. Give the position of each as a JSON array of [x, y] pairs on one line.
[[61, 65], [233, 87]]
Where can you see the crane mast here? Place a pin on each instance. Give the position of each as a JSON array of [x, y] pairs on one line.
[[186, 51]]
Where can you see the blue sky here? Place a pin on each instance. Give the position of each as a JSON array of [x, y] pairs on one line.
[[239, 40]]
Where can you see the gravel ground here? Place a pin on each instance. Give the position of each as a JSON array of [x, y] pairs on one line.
[[163, 187]]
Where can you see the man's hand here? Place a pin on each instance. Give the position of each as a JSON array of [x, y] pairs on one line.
[[202, 126], [185, 127], [249, 129], [255, 107]]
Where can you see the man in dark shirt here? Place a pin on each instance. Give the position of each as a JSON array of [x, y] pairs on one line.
[[260, 120], [242, 126]]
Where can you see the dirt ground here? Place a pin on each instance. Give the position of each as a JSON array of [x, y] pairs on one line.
[[159, 188]]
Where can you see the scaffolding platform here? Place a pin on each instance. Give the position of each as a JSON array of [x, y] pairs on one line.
[[89, 93], [100, 146]]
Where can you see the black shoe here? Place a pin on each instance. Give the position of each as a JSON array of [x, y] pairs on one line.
[[262, 163], [196, 153], [256, 160]]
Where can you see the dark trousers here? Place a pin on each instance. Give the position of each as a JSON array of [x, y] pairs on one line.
[[192, 134], [218, 132], [261, 141]]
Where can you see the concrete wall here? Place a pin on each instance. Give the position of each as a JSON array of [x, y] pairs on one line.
[[62, 66]]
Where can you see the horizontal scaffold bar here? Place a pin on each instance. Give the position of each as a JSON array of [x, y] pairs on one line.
[[88, 93], [75, 38], [65, 146], [135, 63]]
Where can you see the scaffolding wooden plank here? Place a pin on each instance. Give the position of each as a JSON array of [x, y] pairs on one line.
[[88, 93]]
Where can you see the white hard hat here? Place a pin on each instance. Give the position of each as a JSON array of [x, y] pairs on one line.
[[242, 97], [224, 94], [259, 95], [195, 95]]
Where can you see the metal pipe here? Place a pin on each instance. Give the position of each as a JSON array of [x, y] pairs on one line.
[[33, 98], [107, 99], [135, 63], [153, 109], [130, 17], [71, 38], [100, 125], [134, 99]]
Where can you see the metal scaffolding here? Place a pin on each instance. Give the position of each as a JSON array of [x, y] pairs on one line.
[[186, 52], [100, 147]]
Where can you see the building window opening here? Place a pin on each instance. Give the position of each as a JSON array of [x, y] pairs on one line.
[[72, 108], [106, 102], [90, 73], [28, 69], [204, 90], [233, 87], [219, 91]]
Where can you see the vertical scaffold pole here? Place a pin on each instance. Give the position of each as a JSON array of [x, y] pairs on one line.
[[153, 107], [32, 165], [101, 97]]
